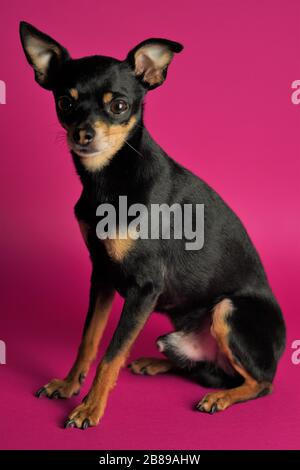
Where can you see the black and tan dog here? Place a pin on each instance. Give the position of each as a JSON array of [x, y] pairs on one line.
[[229, 331]]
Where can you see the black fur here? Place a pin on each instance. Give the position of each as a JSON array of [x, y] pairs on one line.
[[160, 274]]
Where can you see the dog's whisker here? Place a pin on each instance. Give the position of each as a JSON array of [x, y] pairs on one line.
[[131, 146]]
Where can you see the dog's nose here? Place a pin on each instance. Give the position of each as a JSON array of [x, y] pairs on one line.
[[83, 135]]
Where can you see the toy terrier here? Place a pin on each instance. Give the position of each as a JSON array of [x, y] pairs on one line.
[[229, 332]]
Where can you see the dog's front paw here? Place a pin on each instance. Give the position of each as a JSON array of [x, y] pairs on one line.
[[213, 402], [60, 388], [83, 416]]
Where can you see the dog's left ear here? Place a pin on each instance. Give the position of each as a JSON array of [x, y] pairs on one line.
[[150, 60], [43, 53]]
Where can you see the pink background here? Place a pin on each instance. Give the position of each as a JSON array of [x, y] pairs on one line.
[[226, 113]]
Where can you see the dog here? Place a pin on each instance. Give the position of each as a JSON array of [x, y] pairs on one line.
[[229, 332]]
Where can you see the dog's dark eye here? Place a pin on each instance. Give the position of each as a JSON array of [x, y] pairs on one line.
[[65, 104], [118, 106]]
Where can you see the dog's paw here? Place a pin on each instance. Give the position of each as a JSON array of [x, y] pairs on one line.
[[213, 402], [83, 416], [60, 389], [150, 366]]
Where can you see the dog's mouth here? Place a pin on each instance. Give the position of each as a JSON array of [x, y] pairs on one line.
[[85, 152]]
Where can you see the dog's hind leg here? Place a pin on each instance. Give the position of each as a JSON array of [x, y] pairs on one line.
[[250, 332], [101, 297]]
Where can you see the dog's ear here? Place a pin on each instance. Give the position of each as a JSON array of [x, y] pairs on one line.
[[43, 53], [150, 60]]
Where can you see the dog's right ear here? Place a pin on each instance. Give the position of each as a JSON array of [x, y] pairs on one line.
[[43, 53]]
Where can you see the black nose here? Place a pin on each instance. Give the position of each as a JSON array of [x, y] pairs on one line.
[[84, 135]]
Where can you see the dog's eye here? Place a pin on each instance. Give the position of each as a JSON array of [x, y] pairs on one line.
[[118, 106], [65, 104]]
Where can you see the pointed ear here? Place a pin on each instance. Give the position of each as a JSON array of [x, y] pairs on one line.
[[150, 60], [43, 53]]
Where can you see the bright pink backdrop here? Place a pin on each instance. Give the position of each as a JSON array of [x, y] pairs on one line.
[[225, 112]]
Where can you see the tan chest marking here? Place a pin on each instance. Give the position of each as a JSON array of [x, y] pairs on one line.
[[118, 248]]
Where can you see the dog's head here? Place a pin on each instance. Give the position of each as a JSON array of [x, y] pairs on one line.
[[98, 99]]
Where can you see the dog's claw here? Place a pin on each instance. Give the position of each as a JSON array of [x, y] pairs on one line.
[[41, 392], [200, 407], [85, 424], [81, 378], [55, 395], [70, 423], [214, 408]]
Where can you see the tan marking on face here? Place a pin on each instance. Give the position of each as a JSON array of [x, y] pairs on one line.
[[107, 97], [74, 93], [112, 137], [82, 137]]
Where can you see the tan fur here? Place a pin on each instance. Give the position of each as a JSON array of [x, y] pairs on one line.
[[74, 93], [107, 97], [250, 388], [118, 248], [113, 137], [94, 405], [87, 350], [40, 54], [82, 137], [151, 60], [89, 346], [151, 366]]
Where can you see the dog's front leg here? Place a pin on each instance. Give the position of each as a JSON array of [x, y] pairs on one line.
[[138, 305], [101, 298]]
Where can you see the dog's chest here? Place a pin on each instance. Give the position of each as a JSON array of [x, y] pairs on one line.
[[116, 248]]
